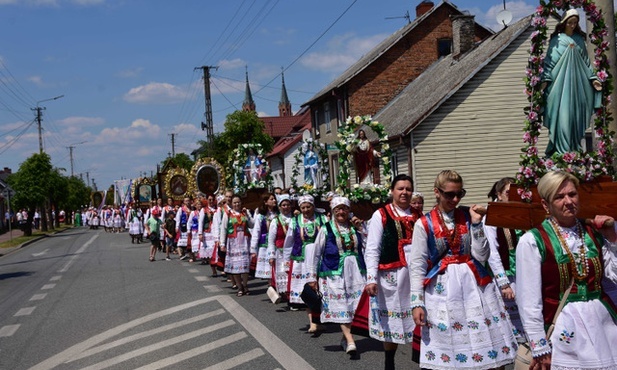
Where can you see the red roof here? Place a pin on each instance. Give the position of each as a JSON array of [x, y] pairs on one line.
[[284, 144], [279, 127]]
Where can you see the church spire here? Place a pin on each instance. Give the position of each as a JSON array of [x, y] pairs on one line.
[[284, 104], [248, 104]]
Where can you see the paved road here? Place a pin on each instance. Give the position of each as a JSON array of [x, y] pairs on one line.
[[87, 299]]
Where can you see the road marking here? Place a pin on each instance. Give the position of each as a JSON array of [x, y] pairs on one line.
[[38, 297], [56, 278], [194, 271], [201, 278], [270, 342], [212, 288], [8, 330], [157, 346], [25, 311], [40, 253], [79, 251], [238, 360], [195, 352], [162, 329], [48, 286]]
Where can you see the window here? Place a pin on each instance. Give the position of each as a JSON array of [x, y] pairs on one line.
[[316, 122], [326, 113], [394, 164], [444, 47]]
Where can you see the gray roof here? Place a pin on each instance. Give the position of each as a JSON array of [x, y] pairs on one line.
[[441, 80], [367, 59]]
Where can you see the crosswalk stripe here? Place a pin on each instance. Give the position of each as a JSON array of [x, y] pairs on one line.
[[238, 360], [48, 286], [212, 288], [157, 346], [201, 278], [131, 338], [8, 330], [25, 311], [195, 352], [38, 297]]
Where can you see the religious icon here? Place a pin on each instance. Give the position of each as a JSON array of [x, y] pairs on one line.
[[311, 165], [178, 185], [208, 180], [145, 193], [253, 168]]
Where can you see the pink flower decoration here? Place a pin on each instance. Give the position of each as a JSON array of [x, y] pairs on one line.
[[602, 75]]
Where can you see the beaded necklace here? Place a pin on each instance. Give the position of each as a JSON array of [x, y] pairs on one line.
[[337, 232], [453, 238], [580, 269]]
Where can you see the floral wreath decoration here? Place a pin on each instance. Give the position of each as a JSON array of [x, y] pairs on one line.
[[585, 166], [236, 176], [376, 193], [323, 172]]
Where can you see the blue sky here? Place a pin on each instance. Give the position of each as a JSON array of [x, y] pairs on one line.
[[126, 69]]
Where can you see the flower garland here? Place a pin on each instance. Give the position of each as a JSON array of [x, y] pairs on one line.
[[323, 171], [376, 193], [586, 166], [238, 160]]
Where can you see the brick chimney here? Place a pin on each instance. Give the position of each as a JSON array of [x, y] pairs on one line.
[[463, 34], [424, 7]]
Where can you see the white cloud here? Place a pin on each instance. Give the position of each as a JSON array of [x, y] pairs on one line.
[[130, 73], [37, 80], [231, 64], [341, 52], [81, 121], [139, 129], [156, 92]]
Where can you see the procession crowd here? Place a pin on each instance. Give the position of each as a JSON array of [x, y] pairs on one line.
[[464, 293]]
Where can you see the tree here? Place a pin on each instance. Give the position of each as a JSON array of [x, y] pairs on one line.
[[181, 160], [78, 194], [31, 184], [241, 127]]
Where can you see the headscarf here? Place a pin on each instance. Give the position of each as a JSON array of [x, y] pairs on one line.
[[306, 199], [337, 201], [281, 197]]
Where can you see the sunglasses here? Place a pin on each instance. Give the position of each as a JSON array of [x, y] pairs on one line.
[[451, 194]]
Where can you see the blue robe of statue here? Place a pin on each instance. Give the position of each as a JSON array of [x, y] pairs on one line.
[[310, 167], [570, 96]]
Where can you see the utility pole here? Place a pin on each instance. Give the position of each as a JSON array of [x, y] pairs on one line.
[[39, 119], [173, 144], [208, 125], [71, 147], [88, 177], [93, 184]]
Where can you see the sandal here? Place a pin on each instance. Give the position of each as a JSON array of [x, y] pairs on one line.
[[246, 292], [234, 286], [151, 259], [239, 294]]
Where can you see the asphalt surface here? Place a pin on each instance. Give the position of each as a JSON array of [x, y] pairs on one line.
[[87, 299]]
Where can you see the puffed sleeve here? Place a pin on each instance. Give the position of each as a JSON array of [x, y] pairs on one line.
[[529, 293], [609, 253], [494, 259], [289, 241], [320, 244], [418, 264], [256, 233], [271, 251], [216, 223], [480, 249], [373, 248], [223, 229]]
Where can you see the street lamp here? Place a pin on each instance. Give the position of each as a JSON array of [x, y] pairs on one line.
[[39, 118]]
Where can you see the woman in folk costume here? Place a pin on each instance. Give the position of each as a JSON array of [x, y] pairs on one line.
[[454, 300], [299, 247], [135, 224], [234, 238], [502, 260], [182, 231], [388, 255], [560, 253], [259, 235], [117, 221], [205, 232], [217, 261], [338, 261], [193, 228], [276, 240]]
